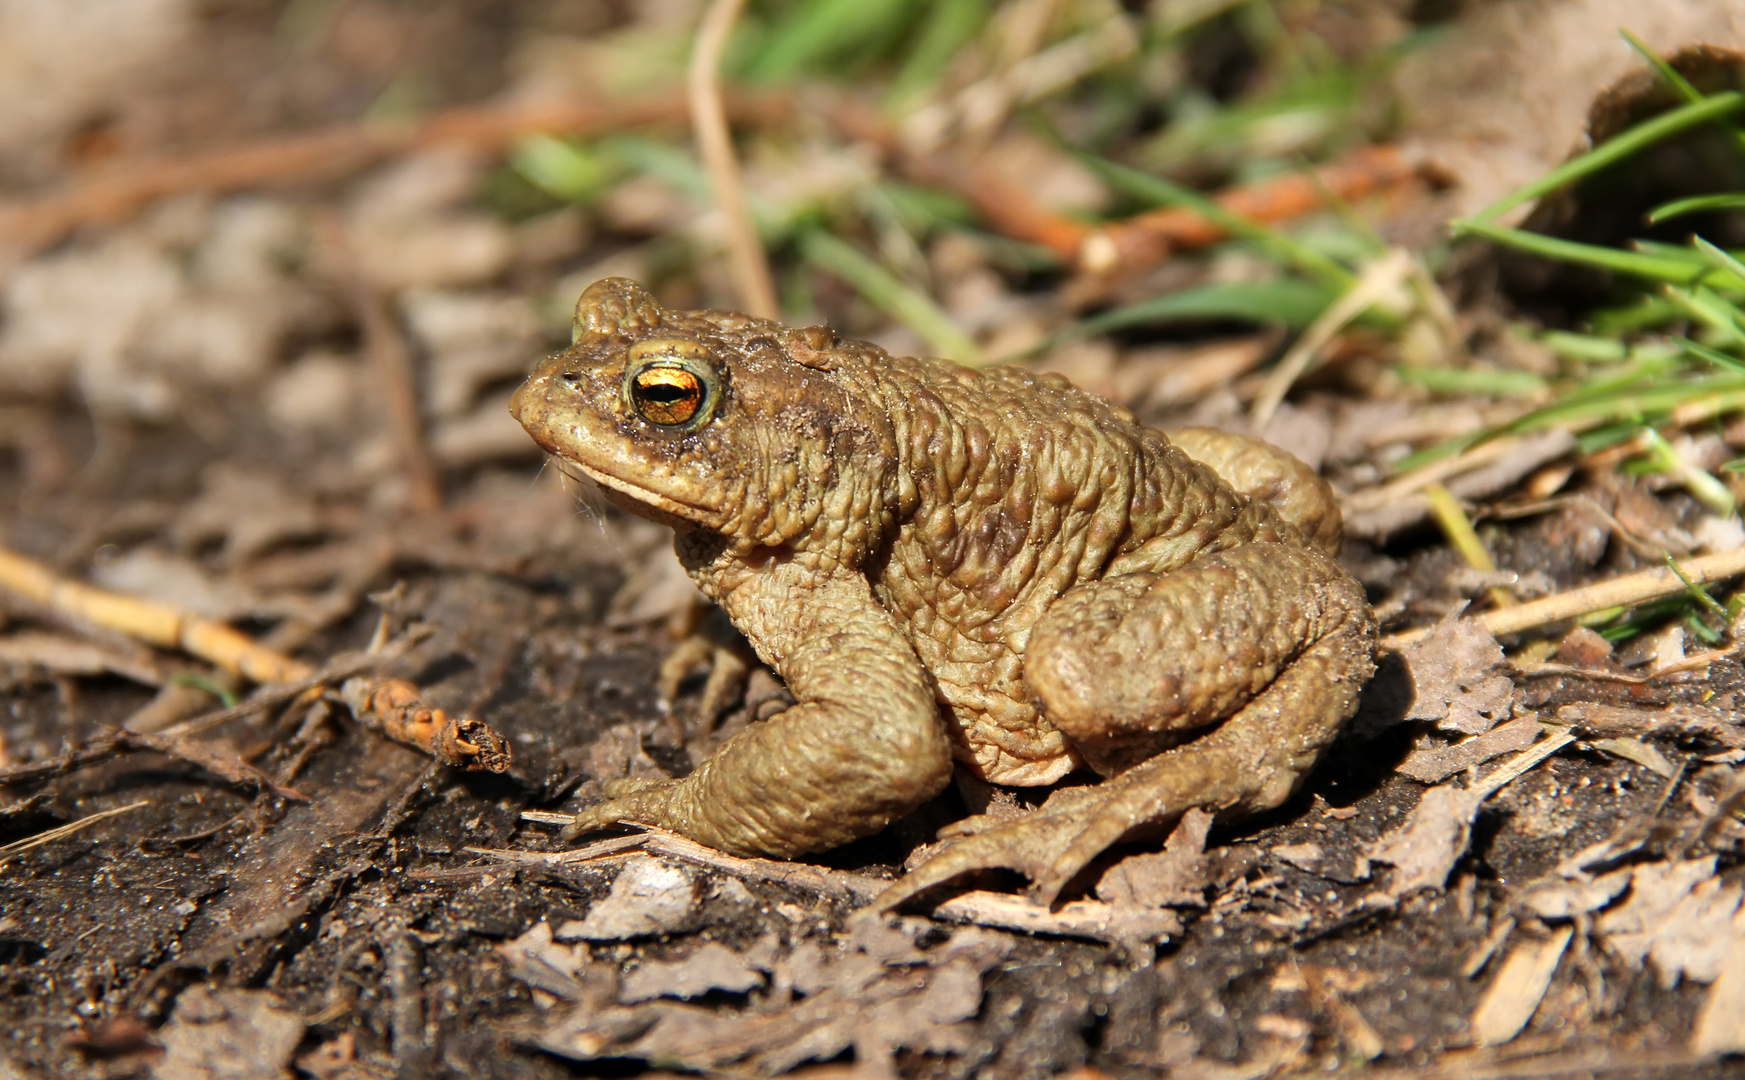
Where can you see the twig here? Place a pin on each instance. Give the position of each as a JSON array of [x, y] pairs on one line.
[[392, 360], [51, 835], [745, 254], [818, 879], [126, 187], [1123, 247], [459, 741], [148, 621], [1619, 592]]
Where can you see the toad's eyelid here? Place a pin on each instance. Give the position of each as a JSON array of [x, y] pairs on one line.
[[676, 348]]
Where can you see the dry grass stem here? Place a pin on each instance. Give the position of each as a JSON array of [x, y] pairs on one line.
[[818, 879], [59, 832], [745, 254], [1619, 592], [154, 623], [1382, 279], [458, 741]]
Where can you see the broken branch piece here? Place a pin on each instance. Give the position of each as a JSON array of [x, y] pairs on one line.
[[390, 706]]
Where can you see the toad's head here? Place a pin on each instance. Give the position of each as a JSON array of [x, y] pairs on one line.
[[764, 435]]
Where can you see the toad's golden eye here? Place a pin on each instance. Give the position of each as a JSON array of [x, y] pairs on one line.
[[668, 394]]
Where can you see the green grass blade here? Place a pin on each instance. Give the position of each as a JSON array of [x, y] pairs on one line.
[[1491, 383], [1610, 152], [1721, 260], [1659, 268], [1713, 356], [1670, 74], [1160, 192], [948, 26], [818, 31], [1698, 204], [883, 290], [1290, 302]]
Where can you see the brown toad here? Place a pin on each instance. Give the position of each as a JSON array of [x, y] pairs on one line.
[[943, 563]]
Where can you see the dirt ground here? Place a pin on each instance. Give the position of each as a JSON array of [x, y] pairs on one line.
[[1521, 865]]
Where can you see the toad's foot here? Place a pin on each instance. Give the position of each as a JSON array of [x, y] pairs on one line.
[[1052, 844], [1250, 762], [622, 806]]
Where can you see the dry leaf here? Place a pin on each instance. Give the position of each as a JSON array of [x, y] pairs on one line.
[[878, 993], [712, 967], [1435, 765], [1456, 678], [1566, 899], [228, 1035], [649, 897], [1175, 876], [1679, 916]]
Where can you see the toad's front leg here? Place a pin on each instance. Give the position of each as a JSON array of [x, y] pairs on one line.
[[864, 745], [1216, 685]]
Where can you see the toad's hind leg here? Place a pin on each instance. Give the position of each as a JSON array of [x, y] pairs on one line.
[[1276, 638]]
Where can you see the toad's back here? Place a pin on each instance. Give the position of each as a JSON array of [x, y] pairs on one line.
[[1022, 487]]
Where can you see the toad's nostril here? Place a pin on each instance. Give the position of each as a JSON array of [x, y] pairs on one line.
[[571, 376]]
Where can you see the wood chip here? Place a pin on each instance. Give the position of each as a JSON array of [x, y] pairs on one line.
[[1093, 919], [1520, 985], [1718, 1029]]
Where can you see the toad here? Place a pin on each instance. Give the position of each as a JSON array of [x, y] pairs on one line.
[[991, 568]]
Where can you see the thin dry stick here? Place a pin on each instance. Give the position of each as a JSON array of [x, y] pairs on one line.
[[148, 621], [391, 706], [745, 254], [116, 192], [1619, 592], [66, 830], [392, 360]]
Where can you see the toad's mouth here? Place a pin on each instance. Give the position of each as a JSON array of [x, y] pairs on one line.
[[609, 484]]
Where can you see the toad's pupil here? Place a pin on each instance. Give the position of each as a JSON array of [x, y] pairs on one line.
[[668, 395]]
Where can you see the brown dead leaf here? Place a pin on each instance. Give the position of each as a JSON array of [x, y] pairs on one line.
[[650, 896], [1717, 1029], [711, 967], [1457, 680], [1432, 766], [1565, 899], [1173, 877], [1679, 916], [228, 1035], [1424, 848], [878, 992], [560, 970]]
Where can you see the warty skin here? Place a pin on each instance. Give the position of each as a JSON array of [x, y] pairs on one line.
[[943, 563]]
